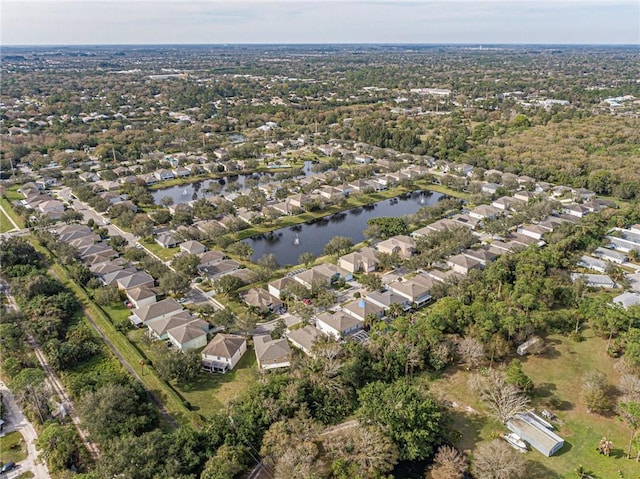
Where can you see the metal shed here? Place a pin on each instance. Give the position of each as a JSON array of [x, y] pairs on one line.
[[535, 433]]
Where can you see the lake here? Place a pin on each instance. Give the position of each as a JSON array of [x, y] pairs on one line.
[[288, 243], [185, 193]]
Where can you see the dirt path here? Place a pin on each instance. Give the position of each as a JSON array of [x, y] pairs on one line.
[[67, 404], [88, 315]]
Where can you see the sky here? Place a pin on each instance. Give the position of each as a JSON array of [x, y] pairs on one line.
[[90, 22]]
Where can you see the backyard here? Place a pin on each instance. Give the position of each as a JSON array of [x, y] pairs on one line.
[[557, 376], [209, 392]]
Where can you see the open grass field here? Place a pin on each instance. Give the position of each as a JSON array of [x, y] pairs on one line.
[[8, 208], [5, 223], [12, 448], [557, 376]]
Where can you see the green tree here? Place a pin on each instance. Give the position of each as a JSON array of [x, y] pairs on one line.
[[388, 226], [61, 448], [135, 457], [411, 418], [116, 410], [630, 413], [338, 245], [517, 377], [306, 259], [371, 282], [171, 282], [186, 264], [177, 366], [228, 285]]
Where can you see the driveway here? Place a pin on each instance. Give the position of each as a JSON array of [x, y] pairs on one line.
[[16, 421]]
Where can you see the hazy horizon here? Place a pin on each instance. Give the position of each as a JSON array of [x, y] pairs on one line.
[[295, 22]]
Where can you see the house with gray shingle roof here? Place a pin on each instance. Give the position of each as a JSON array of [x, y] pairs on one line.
[[223, 352], [272, 353]]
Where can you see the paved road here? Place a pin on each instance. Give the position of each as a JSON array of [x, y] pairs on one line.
[[16, 421], [58, 388]]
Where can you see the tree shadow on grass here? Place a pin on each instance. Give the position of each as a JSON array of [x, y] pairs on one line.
[[544, 390], [536, 470], [466, 430]]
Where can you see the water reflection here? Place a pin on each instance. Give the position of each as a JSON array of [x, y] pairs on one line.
[[313, 236]]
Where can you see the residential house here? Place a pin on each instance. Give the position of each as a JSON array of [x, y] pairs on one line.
[[277, 286], [627, 299], [152, 312], [416, 293], [192, 335], [305, 338], [525, 181], [333, 272], [524, 195], [140, 297], [610, 255], [192, 247], [166, 240], [308, 277], [139, 279], [88, 177], [533, 231], [220, 268], [210, 258], [51, 208], [489, 188], [262, 300], [159, 328], [594, 280], [485, 255], [223, 352], [579, 211], [363, 260], [163, 175], [338, 325], [534, 430], [386, 299], [593, 264], [362, 309], [621, 244], [181, 172], [583, 194], [402, 245], [462, 264], [507, 203], [467, 221], [271, 353]]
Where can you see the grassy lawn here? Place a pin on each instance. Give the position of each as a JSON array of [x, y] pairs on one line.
[[5, 223], [558, 376], [211, 392], [12, 448], [26, 475], [8, 207], [165, 254]]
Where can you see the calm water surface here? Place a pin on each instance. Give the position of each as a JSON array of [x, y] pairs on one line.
[[200, 189], [288, 243]]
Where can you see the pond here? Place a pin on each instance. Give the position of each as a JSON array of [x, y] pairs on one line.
[[201, 189], [288, 243]]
